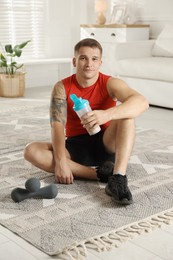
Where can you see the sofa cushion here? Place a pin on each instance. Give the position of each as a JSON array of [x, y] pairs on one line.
[[155, 68], [164, 43]]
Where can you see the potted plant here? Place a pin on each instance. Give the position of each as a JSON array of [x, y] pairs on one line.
[[12, 76]]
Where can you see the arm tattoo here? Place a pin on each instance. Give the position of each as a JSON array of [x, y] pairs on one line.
[[58, 105]]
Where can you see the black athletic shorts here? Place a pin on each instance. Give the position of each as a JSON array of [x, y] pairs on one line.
[[88, 150]]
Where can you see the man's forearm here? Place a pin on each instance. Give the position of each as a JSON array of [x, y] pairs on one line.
[[130, 108], [58, 141]]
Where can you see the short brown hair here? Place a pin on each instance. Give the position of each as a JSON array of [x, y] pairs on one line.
[[88, 42]]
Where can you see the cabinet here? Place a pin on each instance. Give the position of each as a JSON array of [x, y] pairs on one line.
[[109, 35]]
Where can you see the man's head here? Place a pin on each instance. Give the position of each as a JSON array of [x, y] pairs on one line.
[[88, 42], [87, 58]]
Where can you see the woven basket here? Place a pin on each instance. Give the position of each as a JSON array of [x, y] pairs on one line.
[[12, 85]]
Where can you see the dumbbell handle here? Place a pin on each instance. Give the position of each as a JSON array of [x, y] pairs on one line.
[[48, 192]]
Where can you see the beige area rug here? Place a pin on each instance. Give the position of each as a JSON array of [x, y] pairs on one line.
[[82, 216]]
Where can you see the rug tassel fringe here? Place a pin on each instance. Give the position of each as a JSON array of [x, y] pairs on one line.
[[115, 238], [78, 252]]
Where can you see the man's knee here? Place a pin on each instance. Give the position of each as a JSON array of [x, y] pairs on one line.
[[120, 124], [127, 122], [118, 130], [29, 151]]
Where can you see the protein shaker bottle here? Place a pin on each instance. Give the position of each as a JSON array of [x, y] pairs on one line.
[[81, 107]]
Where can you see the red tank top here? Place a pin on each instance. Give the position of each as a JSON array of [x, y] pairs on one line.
[[97, 95]]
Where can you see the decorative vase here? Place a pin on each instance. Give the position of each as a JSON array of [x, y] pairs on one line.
[[101, 19]]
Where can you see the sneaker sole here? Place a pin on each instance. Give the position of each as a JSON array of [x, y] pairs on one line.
[[122, 202]]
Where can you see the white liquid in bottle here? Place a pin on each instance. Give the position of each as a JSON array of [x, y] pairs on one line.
[[81, 107]]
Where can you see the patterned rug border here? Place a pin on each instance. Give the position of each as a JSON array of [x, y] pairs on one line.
[[113, 239]]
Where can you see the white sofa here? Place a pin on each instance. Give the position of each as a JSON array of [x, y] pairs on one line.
[[148, 68]]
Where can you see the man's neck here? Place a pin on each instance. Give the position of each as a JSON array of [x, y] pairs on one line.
[[84, 82]]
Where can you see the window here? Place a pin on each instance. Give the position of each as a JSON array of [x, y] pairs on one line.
[[22, 20]]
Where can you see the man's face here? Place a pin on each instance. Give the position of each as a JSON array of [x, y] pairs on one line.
[[87, 62]]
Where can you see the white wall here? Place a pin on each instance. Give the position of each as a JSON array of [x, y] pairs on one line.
[[157, 13], [63, 26], [63, 21]]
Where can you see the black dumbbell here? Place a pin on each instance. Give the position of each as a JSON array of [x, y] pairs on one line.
[[32, 184], [48, 192]]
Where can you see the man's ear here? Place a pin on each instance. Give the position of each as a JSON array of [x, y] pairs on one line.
[[74, 62]]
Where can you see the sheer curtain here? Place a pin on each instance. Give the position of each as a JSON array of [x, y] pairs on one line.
[[22, 20]]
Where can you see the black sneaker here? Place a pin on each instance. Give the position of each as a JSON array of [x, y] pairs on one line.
[[118, 189], [105, 171]]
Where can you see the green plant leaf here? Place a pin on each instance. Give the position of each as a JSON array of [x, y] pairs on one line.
[[18, 67], [17, 51], [8, 48], [11, 66], [22, 45], [13, 63], [3, 64], [2, 58]]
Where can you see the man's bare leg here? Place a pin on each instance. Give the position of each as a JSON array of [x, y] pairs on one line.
[[119, 138], [41, 155]]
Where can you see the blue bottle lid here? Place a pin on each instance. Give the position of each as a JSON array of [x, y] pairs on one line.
[[79, 103]]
